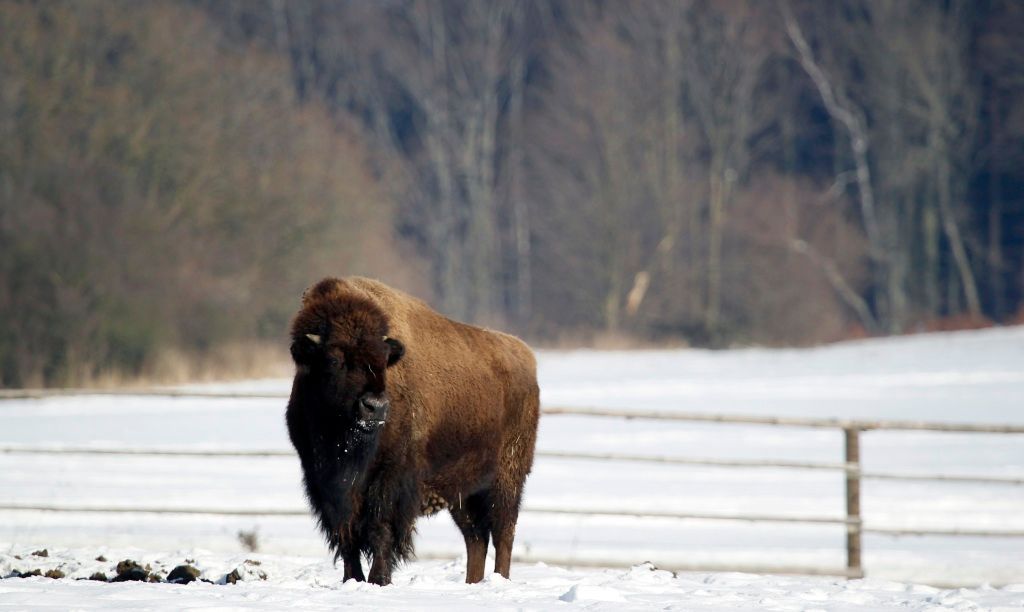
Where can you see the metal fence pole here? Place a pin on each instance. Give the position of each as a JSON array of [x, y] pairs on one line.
[[854, 524]]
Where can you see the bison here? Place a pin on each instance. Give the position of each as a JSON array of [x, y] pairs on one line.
[[398, 412]]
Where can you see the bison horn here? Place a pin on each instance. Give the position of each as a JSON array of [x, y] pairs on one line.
[[315, 338]]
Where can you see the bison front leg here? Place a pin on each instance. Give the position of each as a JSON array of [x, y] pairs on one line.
[[393, 508], [383, 557], [353, 566], [472, 518]]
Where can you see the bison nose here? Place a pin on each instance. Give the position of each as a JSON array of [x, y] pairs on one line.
[[373, 408]]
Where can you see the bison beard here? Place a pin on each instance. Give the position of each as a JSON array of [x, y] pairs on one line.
[[396, 412]]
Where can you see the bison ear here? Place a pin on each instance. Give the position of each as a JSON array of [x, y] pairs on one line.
[[395, 350], [305, 347]]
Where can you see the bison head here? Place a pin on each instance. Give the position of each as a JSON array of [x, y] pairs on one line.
[[342, 351]]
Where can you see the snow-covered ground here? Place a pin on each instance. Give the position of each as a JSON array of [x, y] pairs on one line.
[[965, 376], [275, 582]]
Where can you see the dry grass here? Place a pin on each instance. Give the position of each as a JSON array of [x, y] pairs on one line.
[[605, 341], [958, 322], [230, 361]]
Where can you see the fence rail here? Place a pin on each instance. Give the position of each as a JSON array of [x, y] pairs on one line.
[[691, 461], [664, 415], [851, 466], [612, 512], [19, 394], [826, 423]]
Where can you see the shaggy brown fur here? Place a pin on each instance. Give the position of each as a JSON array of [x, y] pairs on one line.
[[461, 406]]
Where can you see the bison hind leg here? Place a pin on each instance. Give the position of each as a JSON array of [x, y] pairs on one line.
[[473, 518], [504, 513]]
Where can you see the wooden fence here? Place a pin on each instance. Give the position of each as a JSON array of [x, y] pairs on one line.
[[852, 431]]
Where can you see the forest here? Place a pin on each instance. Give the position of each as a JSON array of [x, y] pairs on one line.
[[718, 173]]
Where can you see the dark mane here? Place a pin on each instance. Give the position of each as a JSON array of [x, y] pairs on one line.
[[335, 455]]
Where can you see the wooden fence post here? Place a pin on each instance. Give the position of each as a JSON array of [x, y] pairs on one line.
[[854, 522]]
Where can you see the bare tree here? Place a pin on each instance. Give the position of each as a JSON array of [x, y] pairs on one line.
[[445, 68], [851, 117], [725, 49], [931, 45], [591, 149]]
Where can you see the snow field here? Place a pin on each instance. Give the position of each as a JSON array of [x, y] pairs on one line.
[[966, 376], [311, 584]]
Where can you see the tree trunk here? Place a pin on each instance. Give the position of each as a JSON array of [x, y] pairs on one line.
[[450, 248], [930, 228], [995, 246], [896, 294], [843, 113], [523, 299], [716, 220], [970, 288]]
